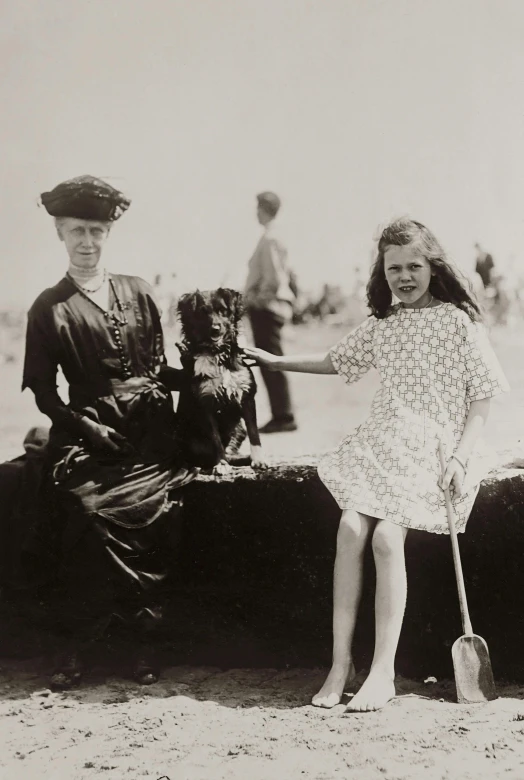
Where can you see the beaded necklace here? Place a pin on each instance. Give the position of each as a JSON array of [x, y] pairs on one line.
[[107, 314], [119, 305], [115, 322]]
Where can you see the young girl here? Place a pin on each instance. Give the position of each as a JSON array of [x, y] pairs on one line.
[[438, 374]]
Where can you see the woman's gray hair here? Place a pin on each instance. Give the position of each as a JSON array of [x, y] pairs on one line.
[[59, 221]]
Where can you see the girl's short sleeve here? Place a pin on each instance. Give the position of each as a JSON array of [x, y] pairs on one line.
[[353, 356], [484, 376]]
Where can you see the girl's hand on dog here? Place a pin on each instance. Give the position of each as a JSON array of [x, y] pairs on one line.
[[260, 358], [455, 474]]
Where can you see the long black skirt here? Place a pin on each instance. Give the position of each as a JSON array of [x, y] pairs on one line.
[[104, 526]]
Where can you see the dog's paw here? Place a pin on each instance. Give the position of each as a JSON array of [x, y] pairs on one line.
[[259, 464], [257, 458], [222, 468]]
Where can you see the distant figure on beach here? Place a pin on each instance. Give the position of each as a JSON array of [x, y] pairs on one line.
[[269, 302], [503, 294], [166, 294], [484, 265]]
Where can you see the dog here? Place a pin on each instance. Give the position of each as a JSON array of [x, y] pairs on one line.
[[218, 390]]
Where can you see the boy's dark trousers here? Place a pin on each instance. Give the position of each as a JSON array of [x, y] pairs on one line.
[[266, 327]]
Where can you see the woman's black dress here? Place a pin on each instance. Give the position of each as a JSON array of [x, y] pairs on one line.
[[115, 515]]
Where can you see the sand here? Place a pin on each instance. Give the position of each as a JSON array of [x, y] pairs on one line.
[[245, 724]]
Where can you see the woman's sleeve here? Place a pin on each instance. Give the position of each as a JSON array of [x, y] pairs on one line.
[[484, 376], [40, 369], [353, 356]]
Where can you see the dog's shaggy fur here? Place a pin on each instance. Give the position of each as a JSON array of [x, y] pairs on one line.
[[218, 389]]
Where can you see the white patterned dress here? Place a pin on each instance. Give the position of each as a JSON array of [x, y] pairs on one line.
[[432, 363]]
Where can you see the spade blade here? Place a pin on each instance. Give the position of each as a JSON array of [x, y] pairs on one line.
[[473, 673]]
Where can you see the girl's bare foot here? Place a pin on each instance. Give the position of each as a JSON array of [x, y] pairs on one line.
[[377, 690], [331, 692]]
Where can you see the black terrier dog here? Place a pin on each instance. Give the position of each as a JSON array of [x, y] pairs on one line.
[[218, 389]]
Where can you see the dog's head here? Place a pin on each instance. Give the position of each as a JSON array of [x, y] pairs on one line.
[[210, 318]]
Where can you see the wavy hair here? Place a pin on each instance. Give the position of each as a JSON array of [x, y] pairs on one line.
[[447, 283]]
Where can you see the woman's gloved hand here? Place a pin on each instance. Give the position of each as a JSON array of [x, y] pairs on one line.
[[103, 437]]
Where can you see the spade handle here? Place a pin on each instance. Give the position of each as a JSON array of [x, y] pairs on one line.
[[466, 622]]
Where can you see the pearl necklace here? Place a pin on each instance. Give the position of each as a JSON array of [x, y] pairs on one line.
[[88, 289]]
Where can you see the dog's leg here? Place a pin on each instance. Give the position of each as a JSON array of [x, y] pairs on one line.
[[249, 412], [221, 465], [236, 438]]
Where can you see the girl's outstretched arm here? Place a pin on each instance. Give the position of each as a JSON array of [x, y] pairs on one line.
[[475, 421], [305, 364]]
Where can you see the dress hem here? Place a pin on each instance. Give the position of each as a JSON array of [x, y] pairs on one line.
[[441, 528]]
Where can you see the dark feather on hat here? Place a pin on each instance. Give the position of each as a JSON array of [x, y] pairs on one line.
[[85, 197]]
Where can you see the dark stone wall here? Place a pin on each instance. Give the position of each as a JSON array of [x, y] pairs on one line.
[[253, 578], [257, 568]]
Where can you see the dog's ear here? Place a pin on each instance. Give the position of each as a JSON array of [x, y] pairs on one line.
[[189, 303], [234, 301]]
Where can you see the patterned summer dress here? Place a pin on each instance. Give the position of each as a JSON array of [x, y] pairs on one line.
[[432, 363]]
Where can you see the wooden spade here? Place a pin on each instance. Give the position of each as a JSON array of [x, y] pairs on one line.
[[471, 663]]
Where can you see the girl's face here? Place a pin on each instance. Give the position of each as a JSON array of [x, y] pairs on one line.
[[408, 275]]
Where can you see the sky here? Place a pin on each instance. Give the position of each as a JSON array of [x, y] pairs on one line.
[[354, 111]]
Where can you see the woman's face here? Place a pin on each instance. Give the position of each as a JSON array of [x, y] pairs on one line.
[[84, 240], [408, 275], [262, 216]]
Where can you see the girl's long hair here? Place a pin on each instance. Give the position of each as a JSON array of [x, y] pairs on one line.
[[447, 284]]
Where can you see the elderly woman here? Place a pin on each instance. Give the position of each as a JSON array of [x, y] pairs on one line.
[[112, 453]]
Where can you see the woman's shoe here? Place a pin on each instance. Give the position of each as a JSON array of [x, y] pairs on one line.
[[145, 672], [68, 673]]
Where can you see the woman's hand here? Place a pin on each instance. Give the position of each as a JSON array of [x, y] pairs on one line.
[[103, 437], [455, 473], [261, 358]]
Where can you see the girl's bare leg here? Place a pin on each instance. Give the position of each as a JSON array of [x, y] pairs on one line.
[[390, 602], [353, 533]]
